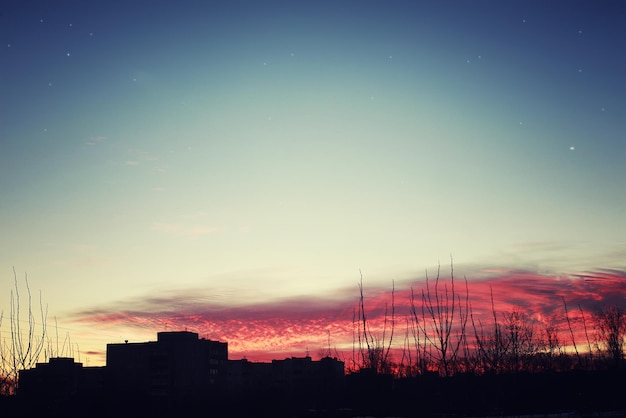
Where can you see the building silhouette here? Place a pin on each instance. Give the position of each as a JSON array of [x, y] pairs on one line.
[[287, 385], [60, 378], [178, 365], [177, 374]]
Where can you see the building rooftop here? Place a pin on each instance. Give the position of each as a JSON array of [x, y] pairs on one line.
[[177, 336]]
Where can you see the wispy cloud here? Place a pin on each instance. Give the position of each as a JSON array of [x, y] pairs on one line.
[[167, 227], [95, 140], [192, 225], [289, 326], [138, 157], [84, 255], [142, 155], [181, 229], [298, 324]]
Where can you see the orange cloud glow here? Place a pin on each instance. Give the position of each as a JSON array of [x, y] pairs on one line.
[[293, 327]]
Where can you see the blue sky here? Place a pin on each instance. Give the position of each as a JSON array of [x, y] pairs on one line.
[[267, 150]]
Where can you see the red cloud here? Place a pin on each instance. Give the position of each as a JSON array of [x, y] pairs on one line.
[[264, 331]]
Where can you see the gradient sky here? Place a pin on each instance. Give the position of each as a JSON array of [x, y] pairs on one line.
[[231, 161]]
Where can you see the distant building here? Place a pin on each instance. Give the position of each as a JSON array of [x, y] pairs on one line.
[[177, 366], [284, 387], [60, 378], [305, 374], [295, 376]]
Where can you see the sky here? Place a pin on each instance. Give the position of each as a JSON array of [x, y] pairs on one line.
[[234, 167]]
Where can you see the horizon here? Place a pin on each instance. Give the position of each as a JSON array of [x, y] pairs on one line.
[[239, 168], [326, 326]]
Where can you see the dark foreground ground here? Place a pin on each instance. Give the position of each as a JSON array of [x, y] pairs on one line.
[[565, 394]]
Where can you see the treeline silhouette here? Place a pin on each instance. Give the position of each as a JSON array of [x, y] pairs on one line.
[[453, 362], [441, 334], [441, 358]]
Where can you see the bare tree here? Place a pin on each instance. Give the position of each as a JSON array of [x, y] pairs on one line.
[[589, 356], [550, 346], [26, 340], [520, 340], [553, 343], [491, 345], [443, 320], [355, 331], [417, 327], [374, 348], [407, 367], [571, 331], [611, 332]]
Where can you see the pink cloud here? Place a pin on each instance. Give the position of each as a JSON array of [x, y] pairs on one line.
[[263, 331]]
